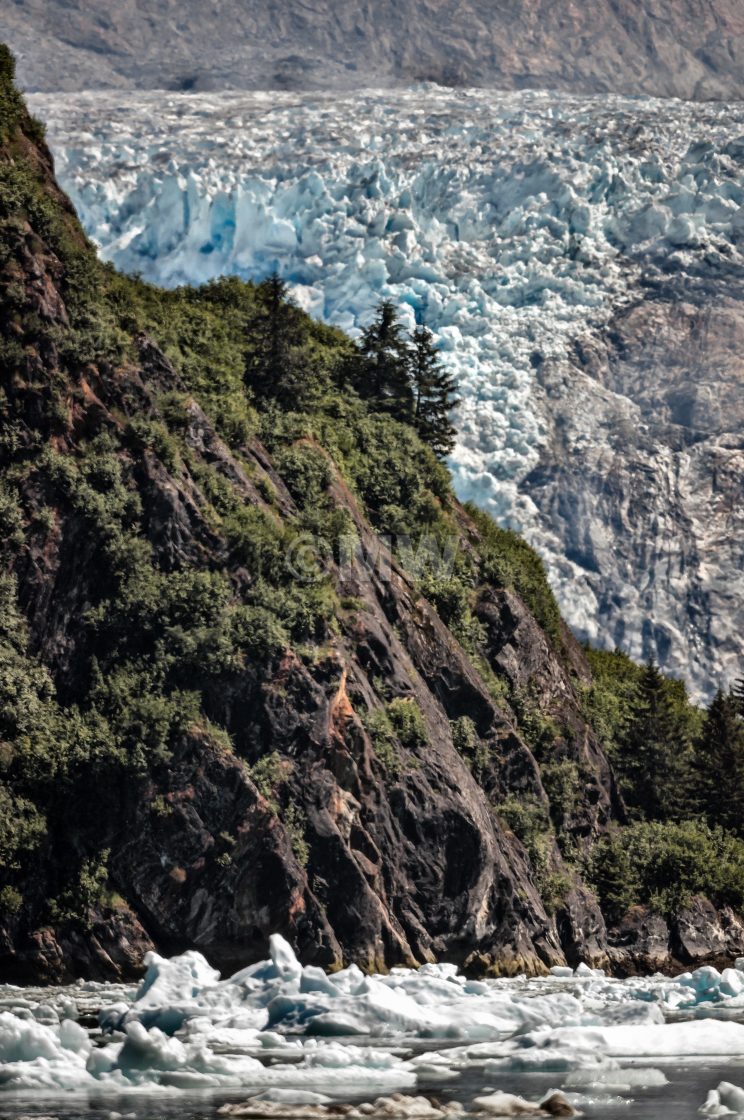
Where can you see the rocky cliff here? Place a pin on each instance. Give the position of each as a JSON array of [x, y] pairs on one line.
[[681, 48], [213, 728]]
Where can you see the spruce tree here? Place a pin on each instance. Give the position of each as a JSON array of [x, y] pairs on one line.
[[272, 366], [738, 693], [383, 374], [656, 753], [434, 396], [719, 763]]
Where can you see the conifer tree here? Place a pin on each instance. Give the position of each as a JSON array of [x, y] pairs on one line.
[[384, 371], [738, 693], [273, 367], [434, 396], [719, 763], [657, 748]]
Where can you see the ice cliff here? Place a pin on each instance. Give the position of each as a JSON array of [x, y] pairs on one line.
[[579, 260]]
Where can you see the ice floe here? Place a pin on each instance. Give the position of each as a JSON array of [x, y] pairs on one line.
[[296, 1038], [726, 1100]]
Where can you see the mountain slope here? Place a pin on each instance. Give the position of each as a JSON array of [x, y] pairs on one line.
[[259, 670], [194, 732], [684, 48]]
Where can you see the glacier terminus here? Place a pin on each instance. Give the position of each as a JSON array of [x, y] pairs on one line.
[[579, 260]]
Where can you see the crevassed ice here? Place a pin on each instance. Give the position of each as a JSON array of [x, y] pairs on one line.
[[279, 1026], [510, 223]]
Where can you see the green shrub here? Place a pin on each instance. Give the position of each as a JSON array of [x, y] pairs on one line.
[[22, 828], [268, 775], [154, 435], [508, 561], [306, 472], [384, 743], [468, 743], [564, 786], [11, 524], [295, 823], [664, 865], [88, 891], [528, 820], [11, 103], [407, 722], [11, 901], [538, 728]]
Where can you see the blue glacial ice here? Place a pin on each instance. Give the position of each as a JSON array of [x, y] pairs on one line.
[[507, 221], [513, 224], [278, 1027]]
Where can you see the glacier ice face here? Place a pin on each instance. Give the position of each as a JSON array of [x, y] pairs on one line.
[[522, 228]]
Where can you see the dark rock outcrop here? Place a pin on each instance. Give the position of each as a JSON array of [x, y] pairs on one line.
[[110, 947], [645, 942]]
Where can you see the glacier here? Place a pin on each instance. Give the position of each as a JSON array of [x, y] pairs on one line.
[[526, 230]]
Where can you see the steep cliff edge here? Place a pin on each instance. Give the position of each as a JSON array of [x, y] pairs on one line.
[[259, 670]]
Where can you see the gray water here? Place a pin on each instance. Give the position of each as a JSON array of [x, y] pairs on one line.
[[679, 1100]]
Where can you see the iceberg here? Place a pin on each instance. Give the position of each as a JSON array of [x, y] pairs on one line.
[[726, 1100], [187, 1029]]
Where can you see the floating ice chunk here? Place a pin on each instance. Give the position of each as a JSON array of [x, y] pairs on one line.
[[74, 1037], [726, 1100], [283, 958], [622, 1014], [23, 1040], [168, 985], [698, 1039], [621, 1080], [562, 972], [731, 983], [705, 981], [506, 1104], [292, 1096], [33, 1057], [585, 970]]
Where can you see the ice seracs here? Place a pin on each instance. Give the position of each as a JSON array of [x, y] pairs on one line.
[[515, 225]]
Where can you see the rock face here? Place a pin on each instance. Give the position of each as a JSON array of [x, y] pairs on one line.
[[644, 942], [680, 48], [362, 857], [641, 478], [111, 947]]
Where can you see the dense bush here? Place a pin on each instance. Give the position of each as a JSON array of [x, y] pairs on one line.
[[508, 561], [665, 865]]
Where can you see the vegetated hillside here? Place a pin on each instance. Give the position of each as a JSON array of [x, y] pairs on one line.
[[213, 727], [682, 48]]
